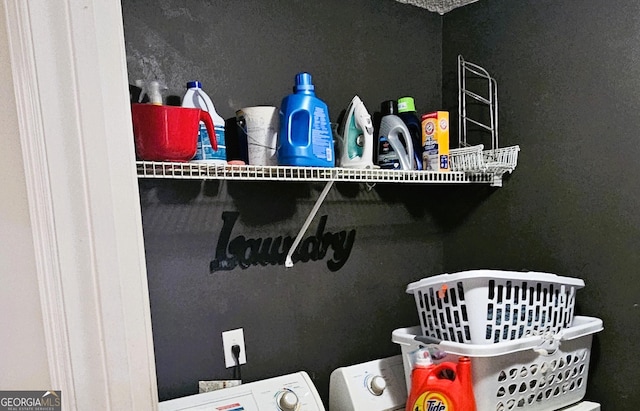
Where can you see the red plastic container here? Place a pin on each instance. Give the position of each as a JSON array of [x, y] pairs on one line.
[[168, 133], [443, 387]]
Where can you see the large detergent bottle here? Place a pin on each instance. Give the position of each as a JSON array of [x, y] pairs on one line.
[[195, 97], [305, 137], [441, 387], [407, 112], [395, 149]]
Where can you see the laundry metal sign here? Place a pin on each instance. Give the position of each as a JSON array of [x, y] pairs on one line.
[[244, 252]]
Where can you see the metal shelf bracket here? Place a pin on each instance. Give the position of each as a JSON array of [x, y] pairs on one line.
[[327, 187]]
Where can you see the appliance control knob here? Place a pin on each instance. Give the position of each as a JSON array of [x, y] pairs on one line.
[[376, 384], [288, 401]]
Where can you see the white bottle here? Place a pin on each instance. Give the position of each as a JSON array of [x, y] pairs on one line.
[[195, 97], [155, 95]]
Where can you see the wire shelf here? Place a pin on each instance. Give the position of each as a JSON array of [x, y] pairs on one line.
[[203, 171]]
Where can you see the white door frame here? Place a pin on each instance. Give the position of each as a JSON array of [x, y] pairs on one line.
[[70, 81]]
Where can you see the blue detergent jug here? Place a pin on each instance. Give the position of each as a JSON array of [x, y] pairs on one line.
[[305, 137]]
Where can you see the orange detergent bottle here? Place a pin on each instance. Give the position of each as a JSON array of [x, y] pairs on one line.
[[441, 387]]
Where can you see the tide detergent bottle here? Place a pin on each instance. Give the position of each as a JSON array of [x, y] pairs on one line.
[[305, 137], [441, 387]]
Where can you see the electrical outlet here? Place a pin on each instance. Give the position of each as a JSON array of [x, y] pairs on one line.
[[229, 339]]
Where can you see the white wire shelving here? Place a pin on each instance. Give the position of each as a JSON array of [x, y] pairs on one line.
[[204, 171]]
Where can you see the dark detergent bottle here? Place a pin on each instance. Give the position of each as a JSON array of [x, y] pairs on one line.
[[395, 150], [305, 137], [407, 112]]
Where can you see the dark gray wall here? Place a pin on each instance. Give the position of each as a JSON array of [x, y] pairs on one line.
[[308, 317], [247, 53], [569, 79], [303, 318]]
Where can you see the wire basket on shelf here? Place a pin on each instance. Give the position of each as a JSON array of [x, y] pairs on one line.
[[477, 89], [467, 159], [501, 160]]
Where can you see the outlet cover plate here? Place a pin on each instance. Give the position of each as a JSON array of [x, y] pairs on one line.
[[229, 339]]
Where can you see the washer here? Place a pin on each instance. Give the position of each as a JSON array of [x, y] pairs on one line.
[[292, 392]]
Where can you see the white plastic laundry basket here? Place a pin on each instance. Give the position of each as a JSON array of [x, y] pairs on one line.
[[490, 306], [530, 374]]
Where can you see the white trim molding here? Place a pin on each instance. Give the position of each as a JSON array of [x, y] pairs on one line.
[[41, 212], [70, 81]]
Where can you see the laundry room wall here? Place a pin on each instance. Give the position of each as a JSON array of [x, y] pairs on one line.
[[340, 302], [568, 75]]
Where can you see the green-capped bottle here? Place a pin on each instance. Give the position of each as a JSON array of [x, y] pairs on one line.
[[407, 112]]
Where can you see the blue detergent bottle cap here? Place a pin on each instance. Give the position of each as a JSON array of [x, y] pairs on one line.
[[303, 83], [194, 84]]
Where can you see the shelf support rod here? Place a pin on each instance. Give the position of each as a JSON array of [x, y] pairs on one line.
[[288, 261]]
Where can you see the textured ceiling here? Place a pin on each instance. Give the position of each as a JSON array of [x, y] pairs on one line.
[[438, 6]]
